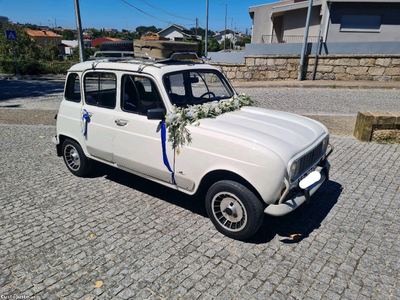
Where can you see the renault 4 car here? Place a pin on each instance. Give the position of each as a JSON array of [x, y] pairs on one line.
[[242, 164]]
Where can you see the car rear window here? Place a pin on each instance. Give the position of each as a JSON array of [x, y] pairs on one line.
[[73, 88]]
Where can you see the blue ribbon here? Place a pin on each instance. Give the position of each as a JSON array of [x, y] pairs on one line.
[[86, 120], [165, 158]]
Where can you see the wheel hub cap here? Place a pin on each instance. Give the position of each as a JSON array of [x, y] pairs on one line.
[[72, 157], [229, 211], [75, 156]]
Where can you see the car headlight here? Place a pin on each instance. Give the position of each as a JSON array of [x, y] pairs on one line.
[[293, 170]]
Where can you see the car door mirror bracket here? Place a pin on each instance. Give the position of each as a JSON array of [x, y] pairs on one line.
[[156, 114]]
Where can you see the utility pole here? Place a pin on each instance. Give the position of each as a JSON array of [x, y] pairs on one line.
[[231, 43], [55, 22], [303, 49], [234, 37], [79, 29], [55, 30], [206, 50], [226, 15], [15, 59]]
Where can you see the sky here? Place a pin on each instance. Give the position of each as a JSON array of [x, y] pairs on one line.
[[119, 15]]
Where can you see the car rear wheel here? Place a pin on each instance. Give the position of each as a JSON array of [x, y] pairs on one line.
[[75, 159], [235, 211]]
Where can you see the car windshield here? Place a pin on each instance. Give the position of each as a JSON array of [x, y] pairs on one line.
[[196, 87]]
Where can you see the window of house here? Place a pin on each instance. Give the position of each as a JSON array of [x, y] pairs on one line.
[[100, 89], [360, 23], [139, 94], [73, 89], [45, 42]]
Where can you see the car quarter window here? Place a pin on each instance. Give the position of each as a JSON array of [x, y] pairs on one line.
[[101, 89], [139, 94], [73, 89]]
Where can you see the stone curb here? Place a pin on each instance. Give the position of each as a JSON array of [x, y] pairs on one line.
[[332, 85]]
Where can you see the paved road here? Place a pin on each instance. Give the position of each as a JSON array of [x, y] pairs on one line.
[[31, 94], [60, 234], [308, 101]]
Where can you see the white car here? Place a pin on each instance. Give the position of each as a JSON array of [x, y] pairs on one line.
[[247, 162]]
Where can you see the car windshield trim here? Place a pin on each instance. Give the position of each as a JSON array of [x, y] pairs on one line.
[[192, 99]]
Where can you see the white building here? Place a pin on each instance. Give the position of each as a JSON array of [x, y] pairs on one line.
[[178, 33], [3, 20], [230, 34], [338, 20], [70, 45], [111, 30]]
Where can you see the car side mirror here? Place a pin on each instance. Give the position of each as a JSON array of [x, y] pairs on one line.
[[156, 114]]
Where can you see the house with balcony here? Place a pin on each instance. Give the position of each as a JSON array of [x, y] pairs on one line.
[[372, 24]]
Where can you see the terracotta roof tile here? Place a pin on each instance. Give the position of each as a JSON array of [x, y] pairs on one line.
[[41, 33]]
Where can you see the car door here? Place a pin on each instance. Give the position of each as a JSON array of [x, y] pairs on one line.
[[100, 100], [137, 140]]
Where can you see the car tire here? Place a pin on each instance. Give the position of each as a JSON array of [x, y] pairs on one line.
[[234, 210], [74, 158], [117, 46]]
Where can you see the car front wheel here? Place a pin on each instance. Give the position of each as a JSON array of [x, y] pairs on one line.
[[235, 211], [75, 159]]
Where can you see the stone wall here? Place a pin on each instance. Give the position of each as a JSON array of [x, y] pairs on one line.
[[330, 67]]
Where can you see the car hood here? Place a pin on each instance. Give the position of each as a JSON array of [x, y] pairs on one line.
[[284, 133]]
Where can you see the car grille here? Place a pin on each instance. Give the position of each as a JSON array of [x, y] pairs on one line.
[[309, 159]]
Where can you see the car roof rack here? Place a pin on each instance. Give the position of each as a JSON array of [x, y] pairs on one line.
[[120, 55], [141, 56]]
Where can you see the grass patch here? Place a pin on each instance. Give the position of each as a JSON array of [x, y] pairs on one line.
[[386, 136]]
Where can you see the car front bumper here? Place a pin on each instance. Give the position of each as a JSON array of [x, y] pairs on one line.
[[299, 196]]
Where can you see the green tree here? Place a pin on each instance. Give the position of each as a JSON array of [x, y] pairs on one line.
[[68, 35], [88, 52], [143, 29], [95, 33], [228, 43], [25, 47], [49, 52], [244, 41], [31, 26], [213, 45], [201, 32]]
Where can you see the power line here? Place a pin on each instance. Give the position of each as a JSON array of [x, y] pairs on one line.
[[145, 17], [143, 12], [147, 14], [164, 11]]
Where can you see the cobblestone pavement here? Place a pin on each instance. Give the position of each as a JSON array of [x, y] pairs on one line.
[[60, 234], [308, 101]]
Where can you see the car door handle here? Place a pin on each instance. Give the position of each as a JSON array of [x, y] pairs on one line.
[[121, 122]]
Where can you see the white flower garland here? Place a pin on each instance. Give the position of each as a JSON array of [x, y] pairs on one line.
[[176, 122]]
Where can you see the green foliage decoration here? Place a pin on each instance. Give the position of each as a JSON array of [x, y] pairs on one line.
[[180, 118]]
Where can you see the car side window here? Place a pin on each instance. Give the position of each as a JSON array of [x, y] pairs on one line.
[[175, 86], [101, 89], [73, 88], [139, 94]]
